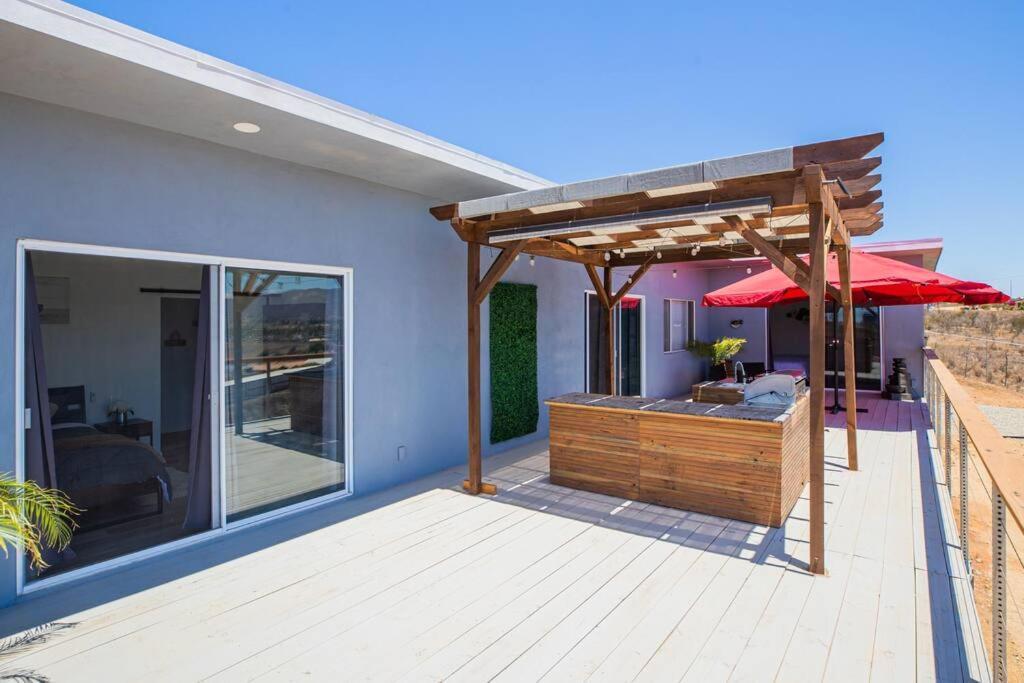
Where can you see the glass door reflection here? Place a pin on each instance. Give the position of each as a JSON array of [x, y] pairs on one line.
[[284, 378]]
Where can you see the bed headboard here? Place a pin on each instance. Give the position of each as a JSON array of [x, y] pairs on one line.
[[70, 404]]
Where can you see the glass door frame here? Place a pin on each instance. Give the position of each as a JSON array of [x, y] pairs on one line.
[[618, 326], [332, 271], [218, 265]]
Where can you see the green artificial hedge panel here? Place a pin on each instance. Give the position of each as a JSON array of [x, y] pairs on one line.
[[514, 405]]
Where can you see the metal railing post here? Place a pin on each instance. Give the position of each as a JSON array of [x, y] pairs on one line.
[[947, 437], [964, 516], [999, 670]]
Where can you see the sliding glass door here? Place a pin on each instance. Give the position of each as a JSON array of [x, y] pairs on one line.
[[169, 395], [628, 317], [284, 389]]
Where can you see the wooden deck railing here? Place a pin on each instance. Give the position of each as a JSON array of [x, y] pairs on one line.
[[953, 410]]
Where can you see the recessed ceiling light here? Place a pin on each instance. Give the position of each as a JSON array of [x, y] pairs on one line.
[[246, 127]]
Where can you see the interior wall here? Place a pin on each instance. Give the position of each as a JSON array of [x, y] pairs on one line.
[[112, 344], [754, 320]]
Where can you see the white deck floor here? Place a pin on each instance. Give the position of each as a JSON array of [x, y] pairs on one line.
[[541, 582]]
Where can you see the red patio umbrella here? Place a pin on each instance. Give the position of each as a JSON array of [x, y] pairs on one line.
[[873, 280]]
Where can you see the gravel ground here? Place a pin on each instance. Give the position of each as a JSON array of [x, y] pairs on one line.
[[1009, 421]]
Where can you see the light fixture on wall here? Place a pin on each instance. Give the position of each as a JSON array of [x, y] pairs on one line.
[[735, 323], [246, 127]]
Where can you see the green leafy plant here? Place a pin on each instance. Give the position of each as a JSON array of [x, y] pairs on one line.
[[513, 347], [718, 351], [35, 518]]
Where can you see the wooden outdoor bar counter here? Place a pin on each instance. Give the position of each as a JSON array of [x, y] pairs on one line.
[[742, 462]]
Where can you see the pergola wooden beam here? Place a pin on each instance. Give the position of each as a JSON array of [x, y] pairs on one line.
[[609, 330], [793, 268], [497, 269], [476, 291], [804, 183], [849, 355], [629, 284], [599, 288]]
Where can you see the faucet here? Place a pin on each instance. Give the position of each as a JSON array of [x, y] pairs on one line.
[[738, 371]]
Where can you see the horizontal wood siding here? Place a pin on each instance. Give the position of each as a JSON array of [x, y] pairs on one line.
[[595, 450], [742, 469], [796, 454]]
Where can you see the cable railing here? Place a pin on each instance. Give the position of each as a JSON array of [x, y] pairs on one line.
[[965, 436]]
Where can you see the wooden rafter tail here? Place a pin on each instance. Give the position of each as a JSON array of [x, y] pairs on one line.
[[860, 201], [851, 169], [444, 213], [836, 150]]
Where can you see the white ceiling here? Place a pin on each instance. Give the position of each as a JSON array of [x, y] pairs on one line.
[[57, 53]]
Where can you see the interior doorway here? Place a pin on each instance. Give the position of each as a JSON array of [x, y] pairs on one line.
[[179, 327], [629, 346], [790, 346]]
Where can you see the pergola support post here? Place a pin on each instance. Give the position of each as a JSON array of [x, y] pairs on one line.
[[849, 357], [609, 327], [474, 483], [476, 291], [819, 254]]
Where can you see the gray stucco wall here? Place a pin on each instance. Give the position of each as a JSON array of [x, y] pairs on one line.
[[75, 177]]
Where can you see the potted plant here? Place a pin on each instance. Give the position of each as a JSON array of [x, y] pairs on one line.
[[718, 354], [119, 411], [34, 518]]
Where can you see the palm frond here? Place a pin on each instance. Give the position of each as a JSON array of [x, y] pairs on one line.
[[34, 517]]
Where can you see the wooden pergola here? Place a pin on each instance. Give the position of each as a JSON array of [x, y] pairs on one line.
[[809, 199]]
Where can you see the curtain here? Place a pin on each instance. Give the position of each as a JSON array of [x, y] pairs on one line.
[[40, 465], [39, 462], [199, 515]]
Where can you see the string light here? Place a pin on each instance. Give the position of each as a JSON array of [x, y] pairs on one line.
[[749, 271], [533, 261], [607, 256], [757, 252], [674, 273], [658, 255]]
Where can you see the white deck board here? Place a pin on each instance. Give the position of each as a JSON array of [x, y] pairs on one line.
[[424, 583]]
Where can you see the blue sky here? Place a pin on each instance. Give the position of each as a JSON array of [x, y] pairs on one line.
[[574, 90]]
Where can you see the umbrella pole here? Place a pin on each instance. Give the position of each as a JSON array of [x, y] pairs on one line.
[[835, 407]]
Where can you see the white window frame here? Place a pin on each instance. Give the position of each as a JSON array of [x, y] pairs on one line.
[[218, 436], [690, 333]]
